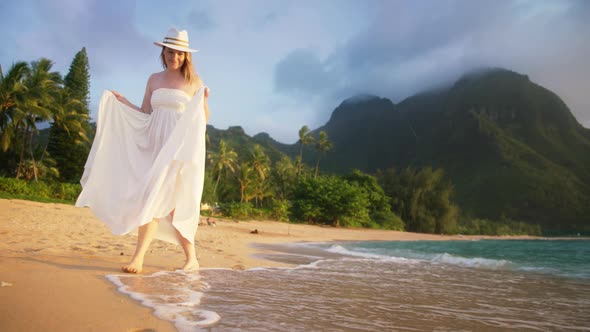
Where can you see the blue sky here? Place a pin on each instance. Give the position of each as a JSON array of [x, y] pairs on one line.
[[275, 65]]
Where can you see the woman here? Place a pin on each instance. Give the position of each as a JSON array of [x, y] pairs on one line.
[[145, 169]]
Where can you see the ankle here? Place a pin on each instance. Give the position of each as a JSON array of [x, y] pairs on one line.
[[137, 258], [191, 259]]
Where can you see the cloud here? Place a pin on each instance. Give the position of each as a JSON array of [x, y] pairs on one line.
[[412, 46], [61, 28], [277, 65], [119, 55], [302, 72]]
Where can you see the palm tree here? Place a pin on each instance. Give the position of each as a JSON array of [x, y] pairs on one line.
[[260, 164], [66, 116], [262, 190], [42, 168], [12, 90], [323, 145], [41, 85], [260, 161], [285, 174], [68, 143], [223, 161], [305, 138], [245, 178]]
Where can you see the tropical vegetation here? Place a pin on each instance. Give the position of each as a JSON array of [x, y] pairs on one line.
[[493, 154], [32, 94]]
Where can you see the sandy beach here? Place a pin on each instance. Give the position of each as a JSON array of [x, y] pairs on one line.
[[54, 258]]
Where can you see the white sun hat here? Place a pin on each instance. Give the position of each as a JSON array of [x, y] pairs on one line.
[[177, 40]]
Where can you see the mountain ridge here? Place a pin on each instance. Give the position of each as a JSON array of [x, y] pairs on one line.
[[511, 147]]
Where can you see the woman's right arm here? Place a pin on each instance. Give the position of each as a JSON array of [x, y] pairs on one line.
[[145, 105]]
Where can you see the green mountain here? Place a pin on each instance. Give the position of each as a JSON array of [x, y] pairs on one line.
[[237, 139], [512, 148]]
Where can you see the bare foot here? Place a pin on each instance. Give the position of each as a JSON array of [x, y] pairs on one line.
[[133, 267], [190, 265]]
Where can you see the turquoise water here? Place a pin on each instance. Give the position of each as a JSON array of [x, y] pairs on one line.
[[566, 258], [486, 285]]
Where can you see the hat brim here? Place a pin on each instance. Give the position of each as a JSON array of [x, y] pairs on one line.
[[175, 47]]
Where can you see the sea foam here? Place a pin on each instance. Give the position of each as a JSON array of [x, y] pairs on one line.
[[174, 296], [409, 256], [473, 262], [338, 249]]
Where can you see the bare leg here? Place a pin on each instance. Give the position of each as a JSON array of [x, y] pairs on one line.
[[191, 262], [144, 238]]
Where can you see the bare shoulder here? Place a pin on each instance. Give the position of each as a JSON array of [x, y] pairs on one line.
[[153, 81], [156, 77], [198, 82]]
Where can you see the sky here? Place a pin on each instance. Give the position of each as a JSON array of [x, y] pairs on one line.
[[276, 65]]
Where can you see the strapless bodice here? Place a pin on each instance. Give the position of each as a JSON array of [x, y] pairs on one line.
[[165, 99]]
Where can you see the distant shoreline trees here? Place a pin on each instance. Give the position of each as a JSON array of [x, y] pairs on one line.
[[251, 186], [418, 200], [421, 198]]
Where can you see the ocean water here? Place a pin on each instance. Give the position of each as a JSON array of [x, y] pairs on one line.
[[486, 285]]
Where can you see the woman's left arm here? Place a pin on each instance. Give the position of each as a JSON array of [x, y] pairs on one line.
[[206, 105], [200, 84]]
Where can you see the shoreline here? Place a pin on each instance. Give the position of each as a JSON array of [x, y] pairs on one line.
[[54, 259]]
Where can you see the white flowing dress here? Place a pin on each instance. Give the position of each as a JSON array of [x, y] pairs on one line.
[[142, 166]]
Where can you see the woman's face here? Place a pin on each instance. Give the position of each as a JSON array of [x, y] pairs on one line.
[[174, 59]]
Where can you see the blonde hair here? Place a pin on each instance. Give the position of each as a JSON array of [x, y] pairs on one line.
[[187, 69]]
